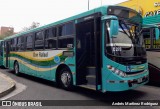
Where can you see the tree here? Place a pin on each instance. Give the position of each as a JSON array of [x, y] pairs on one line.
[[33, 25]]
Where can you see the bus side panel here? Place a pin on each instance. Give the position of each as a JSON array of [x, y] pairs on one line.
[[48, 63], [4, 59], [12, 59], [14, 56], [4, 55], [70, 61], [11, 64], [1, 53], [41, 64], [1, 60]]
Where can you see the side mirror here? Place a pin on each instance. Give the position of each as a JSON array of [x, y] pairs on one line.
[[114, 28], [157, 33]]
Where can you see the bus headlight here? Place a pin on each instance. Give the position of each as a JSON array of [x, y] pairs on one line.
[[122, 74], [116, 71]]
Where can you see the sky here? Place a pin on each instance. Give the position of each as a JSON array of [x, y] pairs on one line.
[[21, 13]]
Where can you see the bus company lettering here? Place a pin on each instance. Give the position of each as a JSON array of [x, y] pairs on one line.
[[152, 13], [43, 54], [155, 12], [157, 4], [40, 54]]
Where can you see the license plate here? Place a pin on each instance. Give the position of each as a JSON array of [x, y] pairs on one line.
[[139, 80], [133, 84]]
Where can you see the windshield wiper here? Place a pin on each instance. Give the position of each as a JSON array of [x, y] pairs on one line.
[[129, 35], [124, 30]]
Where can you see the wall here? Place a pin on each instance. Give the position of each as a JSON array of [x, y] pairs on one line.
[[146, 7], [3, 30]]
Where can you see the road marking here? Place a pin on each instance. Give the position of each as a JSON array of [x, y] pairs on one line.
[[19, 88]]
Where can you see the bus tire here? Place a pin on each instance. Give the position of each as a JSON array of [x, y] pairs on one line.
[[65, 79], [16, 68]]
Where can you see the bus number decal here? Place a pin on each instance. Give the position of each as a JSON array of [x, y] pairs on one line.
[[117, 49]]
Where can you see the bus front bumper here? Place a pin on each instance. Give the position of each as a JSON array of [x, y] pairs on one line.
[[124, 85]]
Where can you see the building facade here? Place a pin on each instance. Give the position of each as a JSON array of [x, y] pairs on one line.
[[4, 30], [150, 10], [145, 7]]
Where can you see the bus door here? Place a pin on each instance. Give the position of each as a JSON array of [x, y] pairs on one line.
[[88, 53], [7, 53]]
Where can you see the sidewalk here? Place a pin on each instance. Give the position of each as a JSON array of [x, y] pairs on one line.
[[6, 85]]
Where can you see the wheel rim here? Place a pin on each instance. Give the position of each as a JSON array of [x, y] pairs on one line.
[[66, 78], [16, 68]]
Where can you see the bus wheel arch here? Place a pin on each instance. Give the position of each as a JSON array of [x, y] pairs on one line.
[[62, 70]]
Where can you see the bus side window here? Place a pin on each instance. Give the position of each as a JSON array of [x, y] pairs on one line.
[[50, 39], [29, 42], [54, 32], [22, 45], [18, 43], [66, 36], [39, 40], [64, 43], [13, 44], [1, 48], [4, 44]]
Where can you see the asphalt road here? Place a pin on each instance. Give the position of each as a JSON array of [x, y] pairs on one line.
[[39, 89]]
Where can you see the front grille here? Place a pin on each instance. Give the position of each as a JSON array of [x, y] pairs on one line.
[[132, 61], [134, 73], [128, 60], [130, 73]]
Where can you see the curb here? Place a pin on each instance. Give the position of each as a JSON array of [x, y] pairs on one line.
[[11, 87]]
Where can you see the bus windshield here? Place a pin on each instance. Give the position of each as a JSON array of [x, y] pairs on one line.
[[129, 41]]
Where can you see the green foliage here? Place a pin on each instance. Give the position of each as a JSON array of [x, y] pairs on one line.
[[33, 25]]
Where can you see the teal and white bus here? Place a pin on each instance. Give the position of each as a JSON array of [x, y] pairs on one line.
[[101, 49]]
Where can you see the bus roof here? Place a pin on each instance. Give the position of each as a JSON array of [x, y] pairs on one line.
[[100, 9]]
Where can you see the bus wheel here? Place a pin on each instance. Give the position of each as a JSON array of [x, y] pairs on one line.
[[65, 79], [16, 68]]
